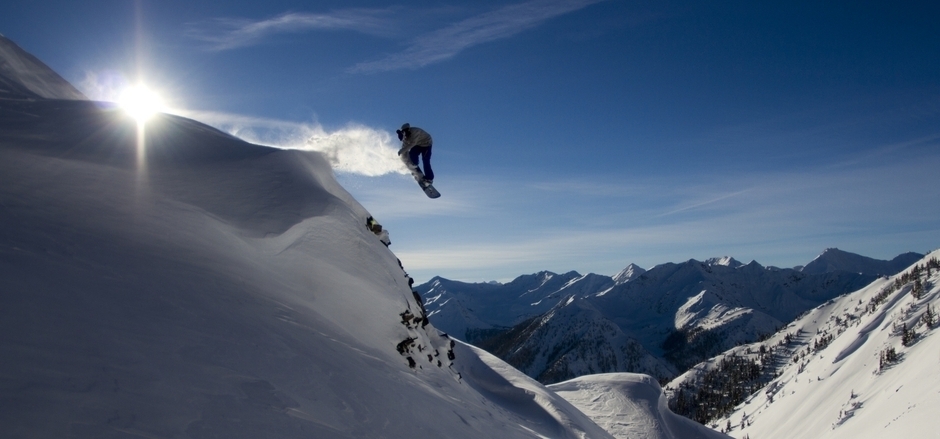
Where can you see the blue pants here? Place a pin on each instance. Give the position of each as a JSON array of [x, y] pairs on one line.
[[425, 153]]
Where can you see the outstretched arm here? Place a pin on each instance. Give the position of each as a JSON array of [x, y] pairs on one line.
[[403, 151]]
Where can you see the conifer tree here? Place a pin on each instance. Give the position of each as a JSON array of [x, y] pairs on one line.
[[907, 335], [930, 317]]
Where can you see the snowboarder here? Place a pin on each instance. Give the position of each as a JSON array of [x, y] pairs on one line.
[[416, 142]]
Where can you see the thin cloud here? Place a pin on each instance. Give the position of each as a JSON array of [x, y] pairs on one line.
[[495, 25], [228, 33], [875, 155], [702, 203]]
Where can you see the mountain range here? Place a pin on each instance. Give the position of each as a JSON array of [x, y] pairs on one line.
[[659, 321]]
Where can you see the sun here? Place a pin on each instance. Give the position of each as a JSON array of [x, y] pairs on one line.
[[141, 103]]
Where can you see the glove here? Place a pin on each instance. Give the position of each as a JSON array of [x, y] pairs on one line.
[[400, 134], [401, 151]]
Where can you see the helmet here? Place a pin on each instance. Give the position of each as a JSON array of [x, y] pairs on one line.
[[405, 127]]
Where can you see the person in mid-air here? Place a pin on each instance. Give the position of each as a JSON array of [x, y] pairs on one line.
[[416, 142]]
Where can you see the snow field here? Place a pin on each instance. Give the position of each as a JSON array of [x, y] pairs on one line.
[[842, 390]]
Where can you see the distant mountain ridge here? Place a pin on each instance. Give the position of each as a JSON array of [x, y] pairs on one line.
[[482, 309], [660, 322], [833, 259]]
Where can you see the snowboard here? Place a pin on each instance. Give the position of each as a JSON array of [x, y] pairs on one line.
[[428, 189]]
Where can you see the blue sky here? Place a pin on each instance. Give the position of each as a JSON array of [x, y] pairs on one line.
[[569, 134]]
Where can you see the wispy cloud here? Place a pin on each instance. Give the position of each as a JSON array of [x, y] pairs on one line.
[[354, 148], [875, 155], [229, 33], [696, 204], [447, 42]]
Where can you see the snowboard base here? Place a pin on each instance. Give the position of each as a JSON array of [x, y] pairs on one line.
[[431, 192], [428, 188]]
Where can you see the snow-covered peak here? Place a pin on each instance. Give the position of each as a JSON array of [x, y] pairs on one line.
[[726, 261], [472, 311], [23, 76], [629, 273]]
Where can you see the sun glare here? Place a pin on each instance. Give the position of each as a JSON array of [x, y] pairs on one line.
[[141, 103]]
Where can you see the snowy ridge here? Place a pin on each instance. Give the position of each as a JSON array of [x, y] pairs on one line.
[[629, 273], [23, 76], [474, 311], [834, 259], [861, 365], [726, 261], [591, 344], [507, 387], [707, 311]]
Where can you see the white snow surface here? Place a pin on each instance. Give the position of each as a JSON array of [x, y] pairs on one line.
[[726, 261], [707, 311], [630, 406], [181, 283]]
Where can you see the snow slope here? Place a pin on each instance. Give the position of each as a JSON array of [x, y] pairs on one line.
[[22, 76], [832, 383], [181, 283], [629, 406]]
